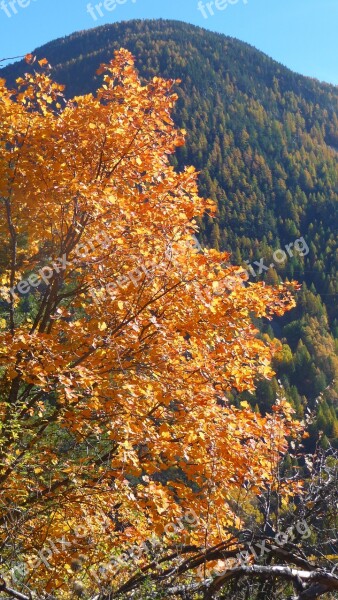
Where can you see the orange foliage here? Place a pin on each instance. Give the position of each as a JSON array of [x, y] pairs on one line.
[[114, 397]]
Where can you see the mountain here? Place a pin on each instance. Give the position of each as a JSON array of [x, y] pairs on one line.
[[266, 142]]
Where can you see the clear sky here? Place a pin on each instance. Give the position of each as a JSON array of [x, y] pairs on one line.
[[301, 34]]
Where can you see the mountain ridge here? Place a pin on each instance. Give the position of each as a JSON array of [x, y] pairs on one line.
[[84, 33], [265, 140]]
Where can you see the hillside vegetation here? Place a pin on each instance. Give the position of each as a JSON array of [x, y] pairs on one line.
[[265, 140]]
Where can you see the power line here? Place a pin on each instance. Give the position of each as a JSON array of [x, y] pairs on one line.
[[12, 58]]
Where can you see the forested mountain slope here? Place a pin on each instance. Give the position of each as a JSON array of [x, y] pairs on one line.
[[266, 142]]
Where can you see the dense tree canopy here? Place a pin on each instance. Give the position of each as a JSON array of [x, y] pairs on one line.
[[266, 142], [120, 339]]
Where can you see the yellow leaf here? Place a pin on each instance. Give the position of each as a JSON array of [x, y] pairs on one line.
[[245, 404]]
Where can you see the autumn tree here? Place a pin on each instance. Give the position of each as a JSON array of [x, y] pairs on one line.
[[120, 340], [254, 129]]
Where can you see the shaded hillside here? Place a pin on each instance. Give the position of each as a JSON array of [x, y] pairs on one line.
[[266, 142]]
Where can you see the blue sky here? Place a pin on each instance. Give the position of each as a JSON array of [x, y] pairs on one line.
[[301, 34]]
